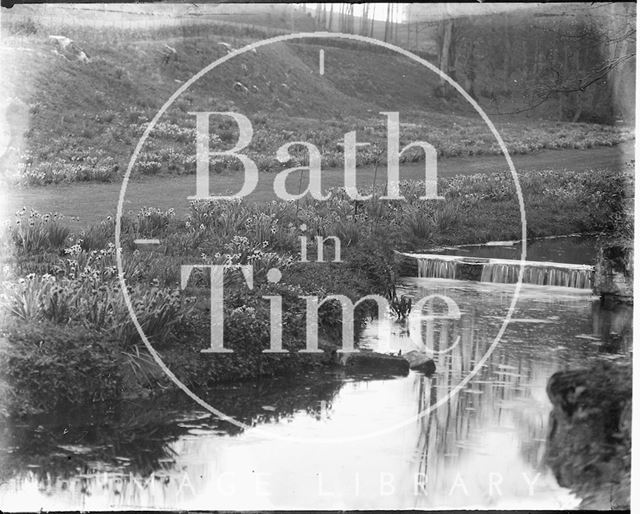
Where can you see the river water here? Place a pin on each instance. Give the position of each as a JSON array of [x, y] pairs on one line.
[[565, 249], [481, 448]]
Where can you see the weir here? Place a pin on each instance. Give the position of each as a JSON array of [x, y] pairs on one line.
[[504, 271]]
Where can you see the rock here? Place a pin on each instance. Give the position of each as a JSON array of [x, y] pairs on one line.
[[366, 361], [69, 49], [286, 89], [168, 53], [614, 273], [420, 361], [239, 86], [588, 444]]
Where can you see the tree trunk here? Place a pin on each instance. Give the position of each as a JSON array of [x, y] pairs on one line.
[[471, 72], [364, 25], [623, 23], [387, 24], [352, 20], [507, 55], [445, 51], [373, 11]]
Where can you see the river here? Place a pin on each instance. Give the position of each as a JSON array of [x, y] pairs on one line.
[[481, 448]]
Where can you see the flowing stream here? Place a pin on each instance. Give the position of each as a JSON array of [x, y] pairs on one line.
[[481, 448], [565, 261]]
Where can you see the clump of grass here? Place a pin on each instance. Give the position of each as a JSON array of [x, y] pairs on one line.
[[419, 226], [89, 301], [150, 221], [34, 232], [62, 171], [446, 217], [97, 236]]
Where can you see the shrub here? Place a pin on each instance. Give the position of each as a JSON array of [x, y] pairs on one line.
[[47, 366]]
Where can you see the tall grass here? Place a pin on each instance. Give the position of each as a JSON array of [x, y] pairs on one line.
[[34, 232], [96, 305]]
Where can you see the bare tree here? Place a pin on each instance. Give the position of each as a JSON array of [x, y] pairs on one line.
[[364, 25], [373, 12], [387, 25], [446, 53]]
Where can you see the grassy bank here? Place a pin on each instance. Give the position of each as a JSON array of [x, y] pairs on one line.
[[171, 147], [80, 121], [61, 300]]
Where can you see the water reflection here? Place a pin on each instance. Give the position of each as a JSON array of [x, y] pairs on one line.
[[481, 448]]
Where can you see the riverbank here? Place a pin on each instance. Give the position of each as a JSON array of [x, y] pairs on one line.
[[56, 280], [589, 441]]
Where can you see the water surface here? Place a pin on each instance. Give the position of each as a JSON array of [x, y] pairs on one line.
[[568, 249], [482, 448]]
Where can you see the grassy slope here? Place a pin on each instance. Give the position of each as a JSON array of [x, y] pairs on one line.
[[85, 119]]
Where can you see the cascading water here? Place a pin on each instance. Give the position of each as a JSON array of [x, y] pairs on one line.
[[506, 271], [444, 267], [539, 273]]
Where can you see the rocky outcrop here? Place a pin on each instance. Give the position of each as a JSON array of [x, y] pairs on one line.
[[589, 439], [419, 361], [374, 362], [614, 274], [69, 49]]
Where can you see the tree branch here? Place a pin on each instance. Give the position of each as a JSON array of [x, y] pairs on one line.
[[546, 93], [600, 74]]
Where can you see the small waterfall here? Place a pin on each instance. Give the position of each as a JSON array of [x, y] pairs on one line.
[[503, 271], [436, 267], [538, 273]]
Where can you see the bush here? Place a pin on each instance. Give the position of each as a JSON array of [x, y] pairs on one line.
[[47, 366]]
